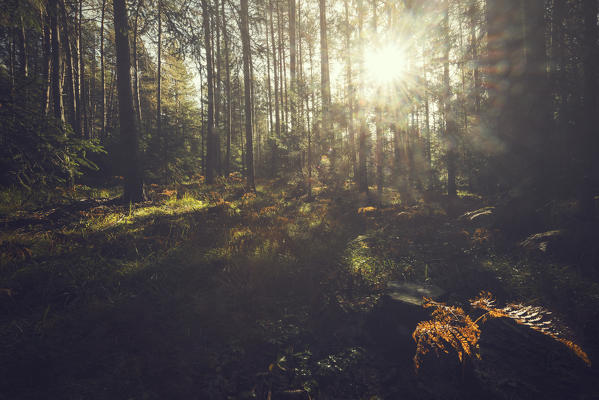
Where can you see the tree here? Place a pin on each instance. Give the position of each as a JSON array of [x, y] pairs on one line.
[[245, 38], [133, 184], [210, 147], [325, 80]]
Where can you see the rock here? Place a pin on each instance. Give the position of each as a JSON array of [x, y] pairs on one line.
[[412, 293], [396, 315]]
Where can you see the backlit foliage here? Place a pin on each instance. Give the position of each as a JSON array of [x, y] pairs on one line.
[[534, 317], [451, 328]]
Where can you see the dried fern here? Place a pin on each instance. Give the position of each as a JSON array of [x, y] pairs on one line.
[[534, 317], [451, 328]]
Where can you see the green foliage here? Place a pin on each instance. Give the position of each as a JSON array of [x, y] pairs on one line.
[[37, 153]]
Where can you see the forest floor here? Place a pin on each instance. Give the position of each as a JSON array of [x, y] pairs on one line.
[[216, 293]]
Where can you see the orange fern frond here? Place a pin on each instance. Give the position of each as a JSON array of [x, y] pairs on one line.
[[535, 317], [450, 328]]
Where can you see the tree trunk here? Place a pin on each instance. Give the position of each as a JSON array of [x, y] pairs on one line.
[[71, 85], [325, 82], [136, 83], [133, 190], [161, 137], [247, 87], [56, 64], [46, 66], [81, 104], [350, 94], [292, 61], [363, 136], [450, 124], [277, 93], [103, 75], [210, 148], [229, 113], [589, 143]]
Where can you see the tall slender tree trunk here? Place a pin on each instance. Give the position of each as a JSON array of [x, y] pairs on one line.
[[325, 82], [218, 88], [274, 140], [246, 50], [136, 82], [103, 75], [210, 148], [159, 133], [588, 143], [70, 76], [56, 64], [363, 136], [129, 134], [350, 93], [282, 77], [378, 119], [229, 112], [450, 124], [292, 99], [81, 62], [268, 79], [46, 66]]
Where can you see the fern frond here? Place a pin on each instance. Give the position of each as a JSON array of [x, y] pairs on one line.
[[450, 329], [535, 317]]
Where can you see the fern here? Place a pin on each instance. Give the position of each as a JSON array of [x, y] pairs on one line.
[[534, 317], [452, 329]]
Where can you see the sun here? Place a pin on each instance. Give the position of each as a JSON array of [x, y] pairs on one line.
[[385, 64]]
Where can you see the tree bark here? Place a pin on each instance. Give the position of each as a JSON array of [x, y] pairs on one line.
[[350, 93], [81, 104], [325, 81], [56, 64], [245, 39], [450, 124], [588, 143], [103, 74], [210, 148], [277, 93], [133, 185], [229, 113]]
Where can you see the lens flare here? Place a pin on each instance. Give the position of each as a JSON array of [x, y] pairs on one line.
[[385, 64]]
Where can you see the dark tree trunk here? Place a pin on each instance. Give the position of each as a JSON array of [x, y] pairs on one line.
[[71, 84], [589, 143], [133, 190], [136, 82], [210, 148], [103, 74], [56, 64], [228, 115], [247, 86], [81, 104], [277, 94]]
